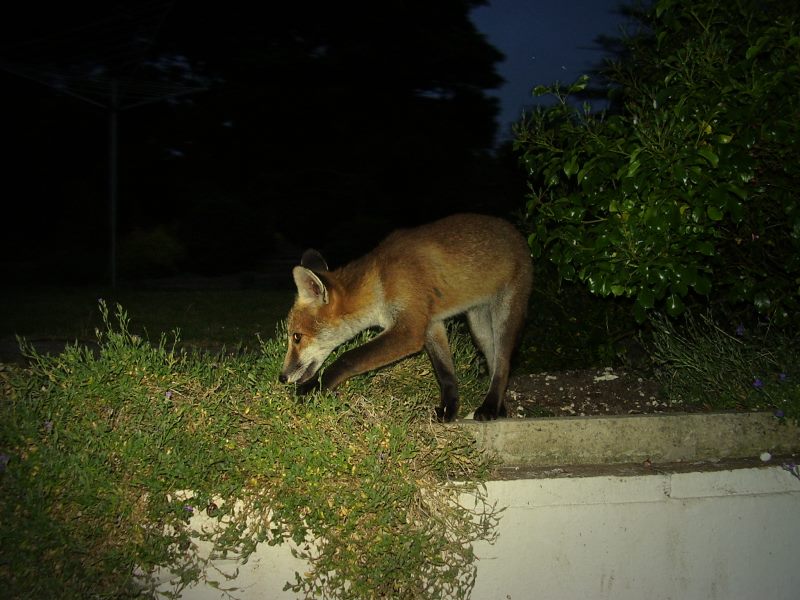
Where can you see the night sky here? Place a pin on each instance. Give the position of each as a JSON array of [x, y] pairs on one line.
[[544, 41]]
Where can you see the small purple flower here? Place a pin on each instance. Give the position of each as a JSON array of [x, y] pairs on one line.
[[4, 458], [168, 395], [48, 426], [782, 377], [740, 330], [188, 508], [779, 413], [758, 384]]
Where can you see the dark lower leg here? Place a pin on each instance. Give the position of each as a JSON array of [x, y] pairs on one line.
[[439, 352], [494, 405]]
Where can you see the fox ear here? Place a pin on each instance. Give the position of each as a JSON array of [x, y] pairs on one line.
[[313, 260], [309, 287]]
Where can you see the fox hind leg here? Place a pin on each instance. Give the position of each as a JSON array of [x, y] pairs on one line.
[[480, 324], [438, 349], [507, 315]]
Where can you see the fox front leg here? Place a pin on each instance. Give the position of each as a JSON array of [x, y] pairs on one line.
[[390, 346], [438, 349]]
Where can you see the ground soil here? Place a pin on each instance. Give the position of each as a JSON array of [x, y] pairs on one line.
[[586, 392]]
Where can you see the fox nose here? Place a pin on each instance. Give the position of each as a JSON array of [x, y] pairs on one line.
[[282, 378]]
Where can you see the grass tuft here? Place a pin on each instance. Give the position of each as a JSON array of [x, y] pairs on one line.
[[701, 364]]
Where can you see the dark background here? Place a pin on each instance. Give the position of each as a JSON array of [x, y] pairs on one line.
[[246, 132]]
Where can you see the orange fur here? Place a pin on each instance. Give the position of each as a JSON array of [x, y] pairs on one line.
[[408, 285]]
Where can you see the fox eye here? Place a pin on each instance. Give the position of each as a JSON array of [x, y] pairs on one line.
[[296, 337]]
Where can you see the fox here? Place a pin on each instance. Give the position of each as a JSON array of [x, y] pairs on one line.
[[408, 286]]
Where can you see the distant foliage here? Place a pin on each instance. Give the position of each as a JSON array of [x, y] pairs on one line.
[[687, 189], [150, 253]]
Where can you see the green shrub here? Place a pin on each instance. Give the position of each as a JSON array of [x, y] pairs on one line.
[[96, 446], [687, 189]]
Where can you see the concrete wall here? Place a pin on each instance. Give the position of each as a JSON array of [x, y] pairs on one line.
[[727, 535], [702, 535]]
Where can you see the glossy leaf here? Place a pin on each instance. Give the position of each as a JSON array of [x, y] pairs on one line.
[[674, 305], [709, 155], [571, 167], [646, 298]]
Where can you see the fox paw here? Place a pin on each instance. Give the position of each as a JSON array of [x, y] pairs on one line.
[[489, 413], [446, 414], [304, 389], [447, 410]]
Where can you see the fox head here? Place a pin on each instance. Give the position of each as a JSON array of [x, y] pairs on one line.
[[312, 327]]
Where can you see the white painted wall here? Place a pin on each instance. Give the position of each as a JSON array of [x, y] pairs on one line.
[[726, 535], [703, 535]]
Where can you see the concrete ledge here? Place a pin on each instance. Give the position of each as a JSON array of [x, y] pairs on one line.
[[634, 438]]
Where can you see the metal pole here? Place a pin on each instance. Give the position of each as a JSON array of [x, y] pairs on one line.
[[112, 183]]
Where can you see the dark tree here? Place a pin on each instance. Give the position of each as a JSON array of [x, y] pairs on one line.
[[355, 115], [328, 123]]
